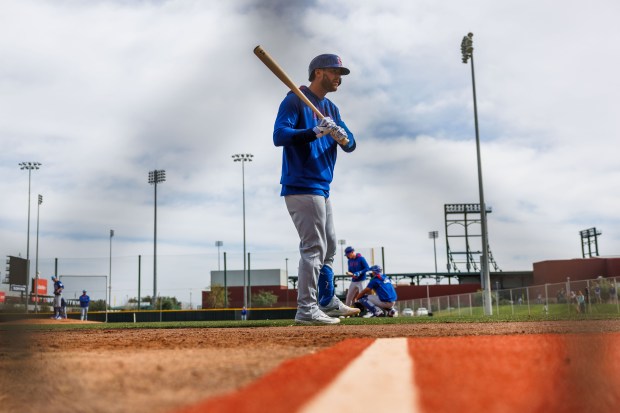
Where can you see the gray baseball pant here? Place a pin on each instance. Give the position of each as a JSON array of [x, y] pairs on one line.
[[313, 219], [84, 313], [354, 289]]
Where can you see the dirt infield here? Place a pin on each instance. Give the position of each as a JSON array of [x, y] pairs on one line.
[[160, 370]]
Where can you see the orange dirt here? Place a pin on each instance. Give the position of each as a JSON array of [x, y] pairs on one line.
[[162, 370]]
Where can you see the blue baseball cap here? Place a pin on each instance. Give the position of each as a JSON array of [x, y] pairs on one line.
[[376, 269], [327, 60], [348, 250]]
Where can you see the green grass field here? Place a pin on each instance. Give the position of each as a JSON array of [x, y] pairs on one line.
[[556, 312]]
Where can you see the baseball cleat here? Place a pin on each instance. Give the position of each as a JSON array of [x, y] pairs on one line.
[[337, 308], [318, 319]]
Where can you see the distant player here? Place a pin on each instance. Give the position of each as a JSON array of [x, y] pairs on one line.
[[63, 308], [58, 287], [84, 303], [357, 270], [384, 298]]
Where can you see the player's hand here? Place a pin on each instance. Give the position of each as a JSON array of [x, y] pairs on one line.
[[326, 125], [340, 135]]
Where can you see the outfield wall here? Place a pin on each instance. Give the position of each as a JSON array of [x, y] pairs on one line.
[[165, 315]]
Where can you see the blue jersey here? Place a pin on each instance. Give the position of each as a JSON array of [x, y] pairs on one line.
[[382, 285], [358, 266], [307, 163], [58, 287], [84, 300]]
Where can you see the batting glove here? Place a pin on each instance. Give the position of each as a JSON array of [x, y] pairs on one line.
[[324, 127], [340, 135]]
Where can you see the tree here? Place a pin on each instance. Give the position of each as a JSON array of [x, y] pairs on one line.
[[147, 299], [97, 305], [167, 303], [218, 297], [264, 299]]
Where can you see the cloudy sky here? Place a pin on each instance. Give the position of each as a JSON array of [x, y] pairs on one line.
[[101, 92]]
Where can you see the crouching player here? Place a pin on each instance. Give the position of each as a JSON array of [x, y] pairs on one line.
[[384, 298]]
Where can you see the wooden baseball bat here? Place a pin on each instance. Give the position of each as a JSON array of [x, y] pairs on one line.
[[281, 74]]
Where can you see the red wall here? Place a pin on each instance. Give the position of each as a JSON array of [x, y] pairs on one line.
[[288, 298], [577, 269], [412, 292]]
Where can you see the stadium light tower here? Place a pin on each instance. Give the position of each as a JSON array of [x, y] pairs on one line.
[[218, 244], [341, 242], [243, 158], [110, 284], [467, 51], [36, 260], [433, 235], [28, 166], [156, 176]]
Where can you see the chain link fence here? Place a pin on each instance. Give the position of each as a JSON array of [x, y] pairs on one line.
[[594, 297]]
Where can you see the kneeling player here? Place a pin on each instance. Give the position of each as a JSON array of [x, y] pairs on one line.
[[384, 297]]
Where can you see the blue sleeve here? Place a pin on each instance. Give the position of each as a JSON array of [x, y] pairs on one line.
[[295, 120], [290, 129], [364, 265], [350, 147]]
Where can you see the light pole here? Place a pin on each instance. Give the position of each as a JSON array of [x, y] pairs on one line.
[[428, 298], [110, 284], [36, 270], [341, 242], [155, 176], [286, 263], [433, 235], [243, 158], [467, 51], [29, 166], [218, 244]]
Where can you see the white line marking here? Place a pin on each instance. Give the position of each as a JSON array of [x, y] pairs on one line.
[[378, 380]]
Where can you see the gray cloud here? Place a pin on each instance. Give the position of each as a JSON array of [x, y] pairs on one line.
[[103, 92]]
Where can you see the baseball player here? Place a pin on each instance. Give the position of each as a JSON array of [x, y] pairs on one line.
[[309, 150], [84, 303], [384, 298], [63, 308], [58, 287], [357, 270]]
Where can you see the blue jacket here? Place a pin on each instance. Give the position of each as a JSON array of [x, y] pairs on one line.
[[84, 300], [307, 163], [358, 266], [382, 285], [58, 287]]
